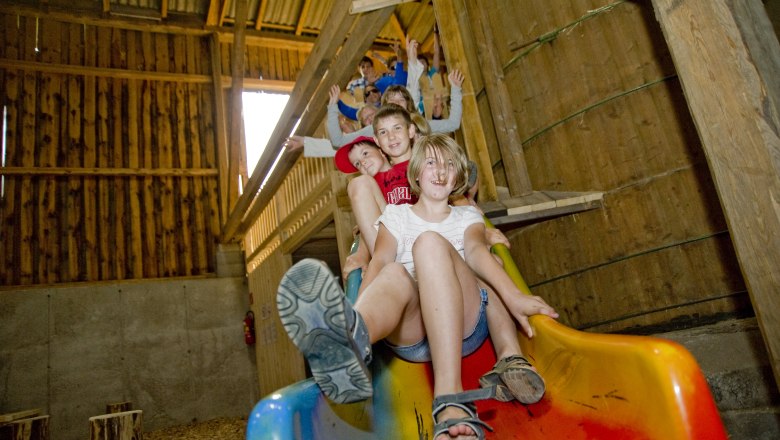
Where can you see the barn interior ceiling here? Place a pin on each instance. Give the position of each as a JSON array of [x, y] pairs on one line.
[[295, 20]]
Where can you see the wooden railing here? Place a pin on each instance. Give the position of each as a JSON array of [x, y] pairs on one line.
[[304, 195]]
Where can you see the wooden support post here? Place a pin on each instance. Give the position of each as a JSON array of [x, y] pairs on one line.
[[460, 53], [220, 126], [727, 57], [236, 142], [509, 142], [118, 426]]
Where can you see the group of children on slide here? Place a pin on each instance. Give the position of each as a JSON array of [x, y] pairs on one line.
[[432, 291]]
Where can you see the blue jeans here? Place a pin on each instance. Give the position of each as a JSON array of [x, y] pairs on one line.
[[421, 351]]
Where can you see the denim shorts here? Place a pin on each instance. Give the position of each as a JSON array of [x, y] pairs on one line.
[[421, 352]]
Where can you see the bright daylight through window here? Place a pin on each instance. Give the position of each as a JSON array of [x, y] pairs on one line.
[[261, 113]]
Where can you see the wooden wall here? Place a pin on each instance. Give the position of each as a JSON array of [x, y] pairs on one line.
[[117, 173], [599, 108], [112, 166]]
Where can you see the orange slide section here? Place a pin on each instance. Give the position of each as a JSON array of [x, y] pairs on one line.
[[598, 387]]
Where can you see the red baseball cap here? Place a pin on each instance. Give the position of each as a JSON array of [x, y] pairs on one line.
[[342, 154]]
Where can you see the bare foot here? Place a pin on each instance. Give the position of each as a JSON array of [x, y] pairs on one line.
[[459, 432]]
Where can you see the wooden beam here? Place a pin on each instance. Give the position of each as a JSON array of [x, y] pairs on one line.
[[212, 16], [261, 14], [498, 94], [222, 13], [312, 87], [420, 14], [302, 17], [262, 85], [459, 52], [236, 149], [92, 171], [359, 6], [220, 123], [267, 39], [397, 27], [727, 57], [97, 18], [69, 69]]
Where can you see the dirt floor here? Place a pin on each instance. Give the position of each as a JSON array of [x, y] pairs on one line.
[[217, 429]]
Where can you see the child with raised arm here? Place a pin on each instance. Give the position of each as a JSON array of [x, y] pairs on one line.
[[452, 123], [420, 294]]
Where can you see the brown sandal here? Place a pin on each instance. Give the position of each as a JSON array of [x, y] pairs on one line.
[[514, 378]]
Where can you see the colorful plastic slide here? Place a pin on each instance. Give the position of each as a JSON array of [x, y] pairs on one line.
[[598, 387]]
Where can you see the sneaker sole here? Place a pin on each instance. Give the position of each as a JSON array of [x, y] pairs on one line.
[[311, 308], [526, 385]]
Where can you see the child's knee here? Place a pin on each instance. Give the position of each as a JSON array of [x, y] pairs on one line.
[[360, 187], [429, 240]]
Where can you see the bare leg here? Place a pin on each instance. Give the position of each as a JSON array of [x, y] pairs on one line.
[[503, 331], [390, 307], [367, 205], [450, 307]]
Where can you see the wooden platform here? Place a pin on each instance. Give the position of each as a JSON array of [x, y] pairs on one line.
[[538, 206]]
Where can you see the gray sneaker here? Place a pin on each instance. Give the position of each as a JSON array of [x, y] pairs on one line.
[[330, 334]]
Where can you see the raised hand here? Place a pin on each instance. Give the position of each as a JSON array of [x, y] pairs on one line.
[[456, 77], [334, 93]]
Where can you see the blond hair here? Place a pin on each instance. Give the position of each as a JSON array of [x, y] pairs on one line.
[[403, 91], [443, 148]]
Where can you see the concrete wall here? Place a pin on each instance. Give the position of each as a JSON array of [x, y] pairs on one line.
[[173, 348]]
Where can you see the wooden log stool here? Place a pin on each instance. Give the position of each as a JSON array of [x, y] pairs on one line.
[[124, 425], [24, 425]]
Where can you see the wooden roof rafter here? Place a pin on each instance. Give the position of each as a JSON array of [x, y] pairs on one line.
[[260, 15], [302, 17]]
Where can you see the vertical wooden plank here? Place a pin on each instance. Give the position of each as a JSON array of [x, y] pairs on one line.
[[10, 232], [220, 124], [49, 140], [455, 28], [212, 194], [150, 231], [91, 240], [102, 153], [164, 137], [118, 199], [27, 145], [63, 186], [732, 44], [199, 232], [75, 235], [183, 159], [135, 239]]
